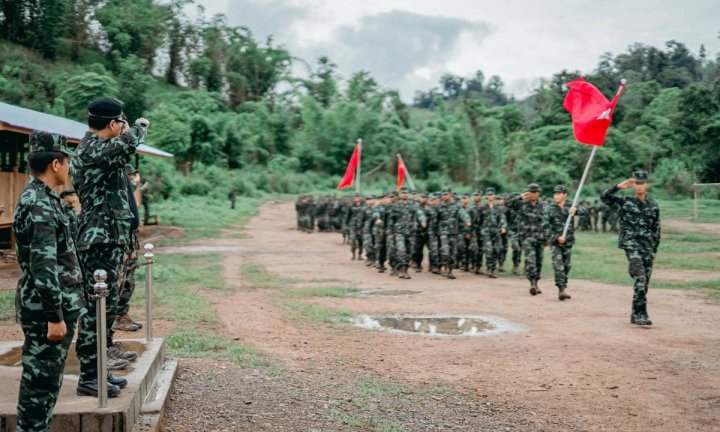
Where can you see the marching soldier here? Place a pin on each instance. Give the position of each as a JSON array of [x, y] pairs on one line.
[[356, 219], [504, 237], [639, 237], [449, 216], [476, 247], [434, 259], [403, 216], [379, 220], [464, 254], [554, 221], [421, 234], [529, 210], [493, 224], [368, 237]]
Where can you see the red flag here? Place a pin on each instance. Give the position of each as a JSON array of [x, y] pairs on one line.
[[349, 176], [590, 110], [402, 170]]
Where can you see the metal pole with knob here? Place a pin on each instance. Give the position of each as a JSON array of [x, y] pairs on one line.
[[100, 292], [149, 259]]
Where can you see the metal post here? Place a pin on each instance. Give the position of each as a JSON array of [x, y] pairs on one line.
[[100, 292], [149, 259]]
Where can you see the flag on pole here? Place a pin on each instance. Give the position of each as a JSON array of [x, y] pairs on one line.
[[590, 110], [349, 176], [402, 171]]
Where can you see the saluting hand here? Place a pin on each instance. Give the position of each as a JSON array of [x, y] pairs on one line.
[[627, 183], [525, 195], [56, 331]]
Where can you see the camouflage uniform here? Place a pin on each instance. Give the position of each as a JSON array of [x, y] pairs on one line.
[[553, 223], [49, 290], [530, 234], [421, 237], [639, 238], [449, 215], [504, 239], [464, 242], [129, 265], [367, 230], [492, 220], [72, 217], [378, 230], [433, 233], [356, 222], [476, 247], [402, 217], [390, 245], [104, 234]]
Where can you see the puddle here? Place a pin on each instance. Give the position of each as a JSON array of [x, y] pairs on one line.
[[389, 292], [13, 358], [439, 325]]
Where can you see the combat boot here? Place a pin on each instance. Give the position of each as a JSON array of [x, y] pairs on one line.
[[418, 268], [393, 271], [90, 388], [381, 269], [466, 267], [117, 364], [515, 269], [562, 295], [642, 316], [125, 323], [116, 381], [501, 269], [533, 287], [435, 270], [117, 350], [537, 287], [491, 274], [450, 274], [405, 274], [353, 257]]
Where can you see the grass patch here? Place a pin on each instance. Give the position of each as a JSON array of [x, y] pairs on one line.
[[257, 277], [202, 344], [316, 313], [708, 210], [329, 291], [7, 305]]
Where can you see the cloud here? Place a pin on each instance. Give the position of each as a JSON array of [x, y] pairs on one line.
[[267, 17]]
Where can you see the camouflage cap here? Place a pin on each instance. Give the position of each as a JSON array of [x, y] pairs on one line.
[[466, 195], [358, 195], [477, 192], [490, 191], [105, 108], [560, 189], [640, 176], [48, 142], [533, 187], [404, 189], [67, 192], [446, 190], [371, 197], [423, 195]]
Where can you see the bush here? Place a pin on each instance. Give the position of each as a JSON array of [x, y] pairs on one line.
[[674, 178]]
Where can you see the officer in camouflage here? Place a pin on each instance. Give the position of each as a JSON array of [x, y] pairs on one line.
[[491, 220], [104, 234], [554, 221], [530, 210], [639, 218], [49, 294]]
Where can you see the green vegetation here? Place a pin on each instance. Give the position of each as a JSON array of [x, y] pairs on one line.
[[211, 91], [258, 278], [7, 305], [316, 313], [708, 210], [328, 291]]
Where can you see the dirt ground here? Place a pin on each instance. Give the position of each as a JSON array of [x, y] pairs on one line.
[[578, 365]]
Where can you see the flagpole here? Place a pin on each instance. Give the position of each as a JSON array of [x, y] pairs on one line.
[[407, 172], [359, 165], [587, 169]]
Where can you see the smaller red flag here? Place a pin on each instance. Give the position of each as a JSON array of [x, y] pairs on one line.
[[590, 110], [402, 170], [349, 176]]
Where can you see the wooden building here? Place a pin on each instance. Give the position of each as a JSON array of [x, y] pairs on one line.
[[16, 124]]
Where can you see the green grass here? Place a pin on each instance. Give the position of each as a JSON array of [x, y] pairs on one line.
[[316, 313], [203, 344], [257, 277], [7, 305], [708, 210], [329, 291]]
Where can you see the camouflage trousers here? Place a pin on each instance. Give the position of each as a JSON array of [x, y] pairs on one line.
[[380, 249], [43, 364], [127, 282], [561, 255], [420, 241], [434, 250], [356, 241], [640, 264], [491, 249], [108, 258], [516, 246], [448, 249], [306, 223], [403, 249], [464, 254], [391, 251], [502, 253], [533, 250], [477, 251], [369, 245]]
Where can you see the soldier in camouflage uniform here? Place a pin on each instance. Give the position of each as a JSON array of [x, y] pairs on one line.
[[368, 237], [584, 220], [127, 272], [433, 231], [402, 217], [464, 250], [504, 237], [421, 234], [69, 202], [450, 215], [49, 294], [561, 247], [356, 222], [639, 237], [595, 215], [492, 221], [529, 210], [476, 247], [390, 245], [104, 234], [378, 221]]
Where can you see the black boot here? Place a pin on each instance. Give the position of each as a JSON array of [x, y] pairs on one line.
[[117, 381], [491, 274], [537, 287], [643, 315], [393, 271], [90, 388], [533, 287], [562, 295], [381, 269]]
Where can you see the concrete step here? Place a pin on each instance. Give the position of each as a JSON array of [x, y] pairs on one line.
[[153, 410]]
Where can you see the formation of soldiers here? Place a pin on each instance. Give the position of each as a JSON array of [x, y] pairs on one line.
[[58, 251], [474, 232]]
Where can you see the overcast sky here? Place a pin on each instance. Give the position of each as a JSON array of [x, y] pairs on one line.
[[409, 44]]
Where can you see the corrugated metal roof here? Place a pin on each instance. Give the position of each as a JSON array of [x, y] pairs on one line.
[[25, 120]]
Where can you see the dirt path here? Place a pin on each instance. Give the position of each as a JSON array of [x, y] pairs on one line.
[[578, 362]]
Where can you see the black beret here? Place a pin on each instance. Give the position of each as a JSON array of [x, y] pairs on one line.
[[560, 188], [640, 176], [106, 108]]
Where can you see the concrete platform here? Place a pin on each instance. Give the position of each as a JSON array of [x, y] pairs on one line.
[[80, 413]]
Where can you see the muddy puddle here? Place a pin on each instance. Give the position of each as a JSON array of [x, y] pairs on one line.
[[389, 292], [13, 358], [439, 325]]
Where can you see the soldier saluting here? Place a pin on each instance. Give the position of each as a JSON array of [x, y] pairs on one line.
[[639, 218]]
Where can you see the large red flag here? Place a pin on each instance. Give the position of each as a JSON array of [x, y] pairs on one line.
[[402, 170], [591, 112], [349, 176]]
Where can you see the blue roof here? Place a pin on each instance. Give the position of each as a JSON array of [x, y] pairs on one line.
[[27, 120]]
